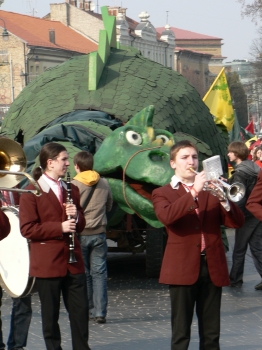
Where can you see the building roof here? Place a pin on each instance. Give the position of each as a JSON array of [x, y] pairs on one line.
[[35, 32], [182, 34]]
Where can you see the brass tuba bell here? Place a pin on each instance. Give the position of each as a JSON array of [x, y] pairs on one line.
[[12, 166]]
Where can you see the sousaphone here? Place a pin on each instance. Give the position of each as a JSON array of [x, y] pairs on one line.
[[14, 249]]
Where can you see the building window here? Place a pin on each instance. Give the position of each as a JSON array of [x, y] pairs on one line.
[[31, 69], [37, 70]]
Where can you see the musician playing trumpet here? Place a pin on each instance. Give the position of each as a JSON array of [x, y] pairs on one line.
[[44, 221], [194, 264]]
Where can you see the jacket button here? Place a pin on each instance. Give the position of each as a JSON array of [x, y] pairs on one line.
[[197, 227]]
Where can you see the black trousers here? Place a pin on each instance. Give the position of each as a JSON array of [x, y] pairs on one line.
[[73, 289], [250, 233], [207, 299]]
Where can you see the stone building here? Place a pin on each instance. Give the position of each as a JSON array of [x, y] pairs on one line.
[[141, 35], [201, 43], [198, 57], [194, 66]]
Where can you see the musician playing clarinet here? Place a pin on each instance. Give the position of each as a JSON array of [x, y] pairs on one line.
[[194, 264], [48, 221]]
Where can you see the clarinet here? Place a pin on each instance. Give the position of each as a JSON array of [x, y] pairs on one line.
[[69, 200]]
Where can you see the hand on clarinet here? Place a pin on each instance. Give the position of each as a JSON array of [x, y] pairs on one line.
[[70, 210], [69, 226]]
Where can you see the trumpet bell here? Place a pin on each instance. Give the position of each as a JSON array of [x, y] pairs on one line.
[[236, 192], [13, 159]]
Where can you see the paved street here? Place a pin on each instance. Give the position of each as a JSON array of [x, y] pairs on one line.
[[139, 312]]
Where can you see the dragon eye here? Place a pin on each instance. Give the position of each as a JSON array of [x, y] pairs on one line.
[[133, 137], [164, 138]]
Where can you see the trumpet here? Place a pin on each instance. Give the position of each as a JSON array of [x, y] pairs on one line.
[[234, 192], [69, 200]]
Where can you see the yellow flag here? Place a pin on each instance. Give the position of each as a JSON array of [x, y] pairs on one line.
[[218, 100]]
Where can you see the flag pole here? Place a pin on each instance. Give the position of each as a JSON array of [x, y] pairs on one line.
[[214, 82]]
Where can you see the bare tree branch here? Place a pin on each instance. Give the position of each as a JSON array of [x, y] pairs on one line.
[[253, 10], [256, 57]]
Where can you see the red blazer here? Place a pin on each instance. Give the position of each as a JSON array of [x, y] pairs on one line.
[[4, 225], [176, 210], [254, 202], [40, 222]]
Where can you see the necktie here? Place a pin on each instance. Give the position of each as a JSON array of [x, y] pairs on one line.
[[203, 243], [60, 190]]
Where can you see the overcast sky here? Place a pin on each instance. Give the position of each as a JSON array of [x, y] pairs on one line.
[[219, 18]]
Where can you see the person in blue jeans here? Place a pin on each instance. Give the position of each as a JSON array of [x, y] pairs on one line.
[[21, 315], [95, 201]]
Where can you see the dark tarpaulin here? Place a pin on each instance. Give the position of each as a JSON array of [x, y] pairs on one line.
[[99, 117], [82, 137]]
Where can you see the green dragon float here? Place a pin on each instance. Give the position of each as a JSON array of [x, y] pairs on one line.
[[127, 110]]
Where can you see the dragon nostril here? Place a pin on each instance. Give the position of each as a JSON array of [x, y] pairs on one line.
[[156, 156]]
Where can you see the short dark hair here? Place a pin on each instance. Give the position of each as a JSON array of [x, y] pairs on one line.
[[180, 145], [239, 149], [84, 160]]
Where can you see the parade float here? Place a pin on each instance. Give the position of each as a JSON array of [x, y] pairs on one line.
[[126, 110]]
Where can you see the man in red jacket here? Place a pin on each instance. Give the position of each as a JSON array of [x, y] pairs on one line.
[[194, 264], [48, 220]]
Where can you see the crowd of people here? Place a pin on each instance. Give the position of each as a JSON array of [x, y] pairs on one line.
[[194, 264]]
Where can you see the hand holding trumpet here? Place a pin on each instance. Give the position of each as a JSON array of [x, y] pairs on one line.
[[214, 187], [200, 180], [235, 192]]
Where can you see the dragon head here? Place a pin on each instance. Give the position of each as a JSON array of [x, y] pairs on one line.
[[135, 160]]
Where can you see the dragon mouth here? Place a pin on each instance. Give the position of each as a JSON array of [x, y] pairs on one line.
[[144, 189]]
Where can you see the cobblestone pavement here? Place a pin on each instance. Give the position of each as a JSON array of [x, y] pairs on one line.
[[139, 312]]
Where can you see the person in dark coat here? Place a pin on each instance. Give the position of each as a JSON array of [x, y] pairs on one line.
[[246, 172], [254, 205]]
